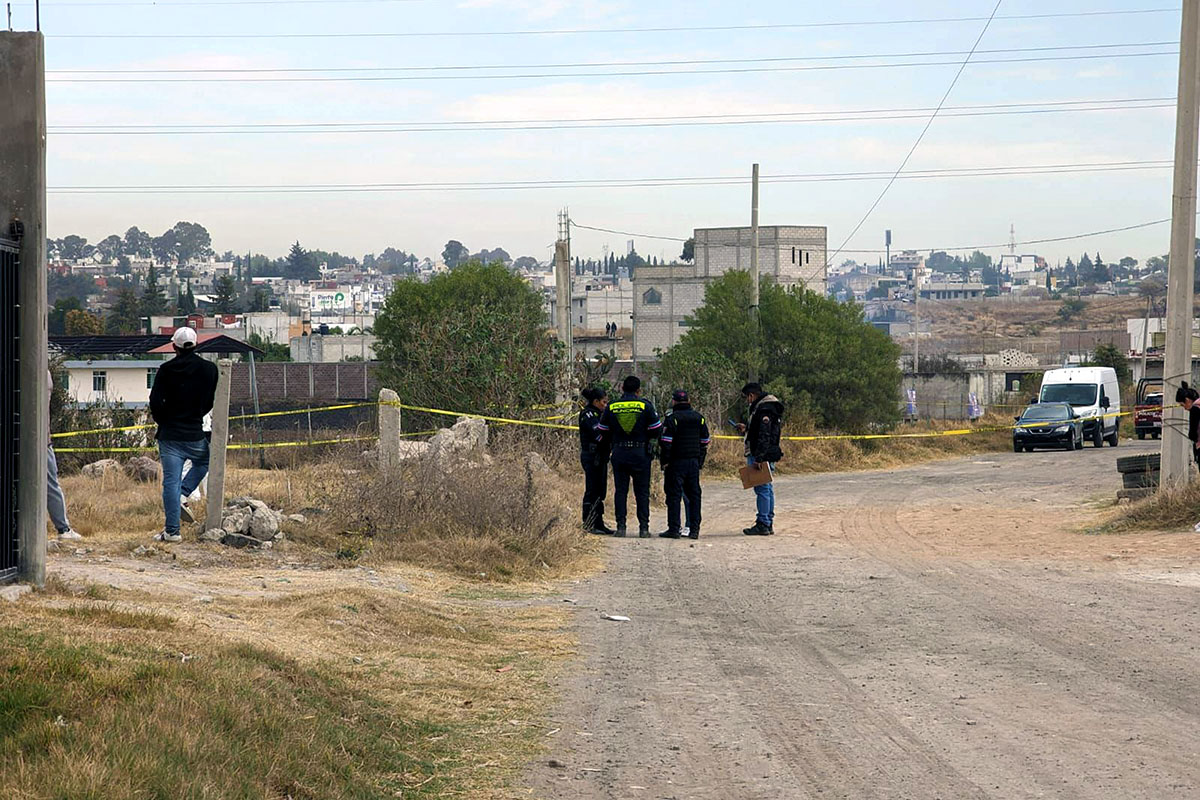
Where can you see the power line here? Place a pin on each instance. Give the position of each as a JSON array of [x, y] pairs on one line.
[[624, 73], [592, 31], [610, 183], [792, 118], [591, 64], [920, 136], [1001, 245], [186, 3]]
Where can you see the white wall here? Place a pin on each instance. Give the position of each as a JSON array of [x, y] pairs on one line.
[[126, 383]]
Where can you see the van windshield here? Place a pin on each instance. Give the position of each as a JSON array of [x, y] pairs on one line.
[[1077, 394]]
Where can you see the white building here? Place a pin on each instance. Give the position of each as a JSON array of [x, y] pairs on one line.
[[121, 384], [665, 297]]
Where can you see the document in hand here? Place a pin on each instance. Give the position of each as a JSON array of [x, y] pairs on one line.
[[756, 475]]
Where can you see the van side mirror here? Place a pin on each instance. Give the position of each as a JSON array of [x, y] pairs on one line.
[[1016, 419], [1104, 401]]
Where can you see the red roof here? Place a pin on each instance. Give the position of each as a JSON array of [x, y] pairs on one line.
[[201, 338]]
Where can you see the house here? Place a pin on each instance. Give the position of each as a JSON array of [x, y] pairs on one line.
[[117, 383], [665, 297]]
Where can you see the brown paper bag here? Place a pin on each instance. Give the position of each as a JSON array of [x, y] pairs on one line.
[[757, 475]]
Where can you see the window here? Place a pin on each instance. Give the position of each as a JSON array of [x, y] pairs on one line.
[[652, 297], [806, 259], [685, 323], [793, 255], [99, 381], [150, 373]]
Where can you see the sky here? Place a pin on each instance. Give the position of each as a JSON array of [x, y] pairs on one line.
[[797, 65]]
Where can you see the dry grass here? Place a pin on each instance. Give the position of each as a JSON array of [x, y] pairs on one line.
[[360, 692], [1177, 509]]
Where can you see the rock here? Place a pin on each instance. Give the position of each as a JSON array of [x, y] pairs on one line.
[[212, 535], [554, 763], [239, 541], [536, 466], [236, 520], [143, 468], [52, 546], [466, 440], [279, 537], [140, 551], [299, 519], [264, 524], [410, 449], [204, 599], [98, 469], [14, 592]]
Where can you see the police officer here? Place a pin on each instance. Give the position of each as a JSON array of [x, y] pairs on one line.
[[633, 424], [593, 456], [685, 440]]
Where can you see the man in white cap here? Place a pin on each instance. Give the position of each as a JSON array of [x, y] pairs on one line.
[[183, 393]]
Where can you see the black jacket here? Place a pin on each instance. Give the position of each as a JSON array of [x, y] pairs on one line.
[[685, 435], [630, 422], [1194, 423], [593, 441], [764, 428], [183, 393]]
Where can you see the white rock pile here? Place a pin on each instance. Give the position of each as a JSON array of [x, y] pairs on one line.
[[247, 522]]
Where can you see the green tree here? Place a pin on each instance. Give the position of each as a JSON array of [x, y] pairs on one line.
[[689, 250], [187, 301], [301, 265], [73, 247], [137, 243], [154, 302], [1071, 308], [82, 323], [271, 350], [190, 240], [110, 247], [1109, 355], [225, 300], [708, 376], [260, 300], [822, 353], [454, 253], [125, 317], [57, 318], [470, 340]]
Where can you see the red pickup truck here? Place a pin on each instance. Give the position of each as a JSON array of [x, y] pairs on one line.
[[1147, 409]]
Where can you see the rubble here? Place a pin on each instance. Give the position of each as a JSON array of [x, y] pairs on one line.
[[247, 522], [98, 469], [143, 468]]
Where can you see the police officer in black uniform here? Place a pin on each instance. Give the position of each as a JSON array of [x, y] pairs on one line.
[[633, 424], [685, 439], [593, 456]]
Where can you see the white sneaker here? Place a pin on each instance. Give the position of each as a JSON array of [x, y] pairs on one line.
[[69, 534], [163, 536], [185, 513]]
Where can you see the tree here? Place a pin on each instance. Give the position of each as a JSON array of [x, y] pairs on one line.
[[821, 354], [525, 263], [392, 262], [59, 287], [1086, 271], [137, 243], [1128, 264], [154, 302], [125, 316], [1100, 271], [272, 351], [473, 340], [1109, 355], [1156, 264], [110, 247], [454, 253], [1071, 308], [191, 241], [187, 301], [163, 248], [300, 266], [56, 321], [689, 250], [708, 377], [73, 248], [82, 323], [225, 300], [486, 256], [260, 300]]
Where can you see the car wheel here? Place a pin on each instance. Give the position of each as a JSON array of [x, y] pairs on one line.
[[1115, 439], [1098, 436], [1016, 447], [1141, 434], [1079, 441]]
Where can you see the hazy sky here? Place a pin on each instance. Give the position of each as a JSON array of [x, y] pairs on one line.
[[923, 213]]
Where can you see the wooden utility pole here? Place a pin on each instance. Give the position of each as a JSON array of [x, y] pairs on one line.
[[1177, 466]]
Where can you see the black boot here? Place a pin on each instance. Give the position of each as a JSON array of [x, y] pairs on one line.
[[620, 532], [693, 534], [669, 534], [758, 530], [643, 531]]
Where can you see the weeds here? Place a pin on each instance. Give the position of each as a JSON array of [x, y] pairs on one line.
[[1168, 509]]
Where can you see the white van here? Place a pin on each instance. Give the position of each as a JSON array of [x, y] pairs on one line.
[[1093, 393]]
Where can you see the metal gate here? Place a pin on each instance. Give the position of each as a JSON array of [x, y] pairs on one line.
[[10, 397]]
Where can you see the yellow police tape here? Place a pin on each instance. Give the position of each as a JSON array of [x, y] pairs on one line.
[[529, 423]]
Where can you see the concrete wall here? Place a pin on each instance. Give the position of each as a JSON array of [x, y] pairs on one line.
[[792, 253], [280, 381], [332, 349]]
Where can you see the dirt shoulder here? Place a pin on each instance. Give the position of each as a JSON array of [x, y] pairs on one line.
[[943, 630]]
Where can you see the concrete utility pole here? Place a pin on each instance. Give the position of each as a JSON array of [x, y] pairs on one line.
[[23, 201], [220, 444], [1177, 360], [754, 253], [562, 283]]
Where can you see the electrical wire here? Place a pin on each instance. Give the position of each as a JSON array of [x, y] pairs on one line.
[[920, 136], [775, 26], [593, 64], [614, 74], [561, 125], [610, 183]]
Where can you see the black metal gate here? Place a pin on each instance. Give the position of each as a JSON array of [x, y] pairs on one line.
[[10, 397]]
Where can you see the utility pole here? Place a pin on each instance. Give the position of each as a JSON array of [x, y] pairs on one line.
[[1177, 361], [562, 283], [754, 256], [916, 325]]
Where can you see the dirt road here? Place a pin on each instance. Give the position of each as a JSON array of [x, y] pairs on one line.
[[941, 631]]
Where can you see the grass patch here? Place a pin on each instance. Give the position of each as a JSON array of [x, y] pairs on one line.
[[1167, 510], [112, 616]]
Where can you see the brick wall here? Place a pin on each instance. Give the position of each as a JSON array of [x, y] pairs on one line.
[[290, 381]]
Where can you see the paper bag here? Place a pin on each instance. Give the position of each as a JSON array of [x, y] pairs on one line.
[[757, 475]]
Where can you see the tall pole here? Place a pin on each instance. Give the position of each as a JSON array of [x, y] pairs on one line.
[[1177, 360], [562, 283], [916, 326], [754, 254]]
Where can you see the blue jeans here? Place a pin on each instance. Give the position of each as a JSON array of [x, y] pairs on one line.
[[764, 497], [172, 455], [55, 502]]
